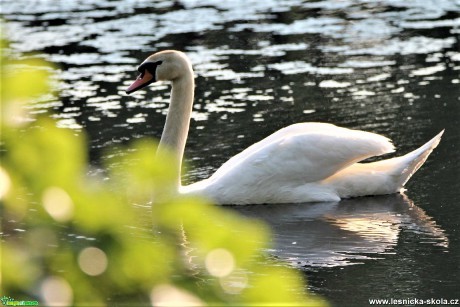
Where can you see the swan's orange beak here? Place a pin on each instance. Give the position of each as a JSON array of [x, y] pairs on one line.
[[143, 80]]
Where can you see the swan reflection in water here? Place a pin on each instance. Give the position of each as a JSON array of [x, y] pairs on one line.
[[338, 234]]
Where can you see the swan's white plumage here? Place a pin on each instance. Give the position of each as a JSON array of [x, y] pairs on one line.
[[300, 163], [240, 183], [285, 166]]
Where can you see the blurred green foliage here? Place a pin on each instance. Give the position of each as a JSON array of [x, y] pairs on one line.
[[72, 239]]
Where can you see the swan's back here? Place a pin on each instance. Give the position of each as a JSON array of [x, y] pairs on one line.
[[307, 152], [273, 169]]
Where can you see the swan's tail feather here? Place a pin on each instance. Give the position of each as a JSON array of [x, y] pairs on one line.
[[381, 177], [412, 161]]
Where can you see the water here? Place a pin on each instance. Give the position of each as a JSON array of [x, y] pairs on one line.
[[390, 67]]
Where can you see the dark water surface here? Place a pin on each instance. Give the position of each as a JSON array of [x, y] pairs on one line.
[[389, 66]]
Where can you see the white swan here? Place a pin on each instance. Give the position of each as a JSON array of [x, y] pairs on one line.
[[305, 162]]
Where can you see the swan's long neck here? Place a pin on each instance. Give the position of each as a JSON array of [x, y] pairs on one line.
[[177, 123]]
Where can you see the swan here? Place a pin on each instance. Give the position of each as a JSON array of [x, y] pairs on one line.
[[304, 162]]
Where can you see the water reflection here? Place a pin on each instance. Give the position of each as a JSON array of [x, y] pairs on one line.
[[344, 233]]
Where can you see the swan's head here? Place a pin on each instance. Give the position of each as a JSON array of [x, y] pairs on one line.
[[167, 65]]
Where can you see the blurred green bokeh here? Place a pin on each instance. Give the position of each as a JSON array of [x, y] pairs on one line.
[[133, 249]]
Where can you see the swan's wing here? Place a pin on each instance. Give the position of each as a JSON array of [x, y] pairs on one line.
[[302, 153]]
